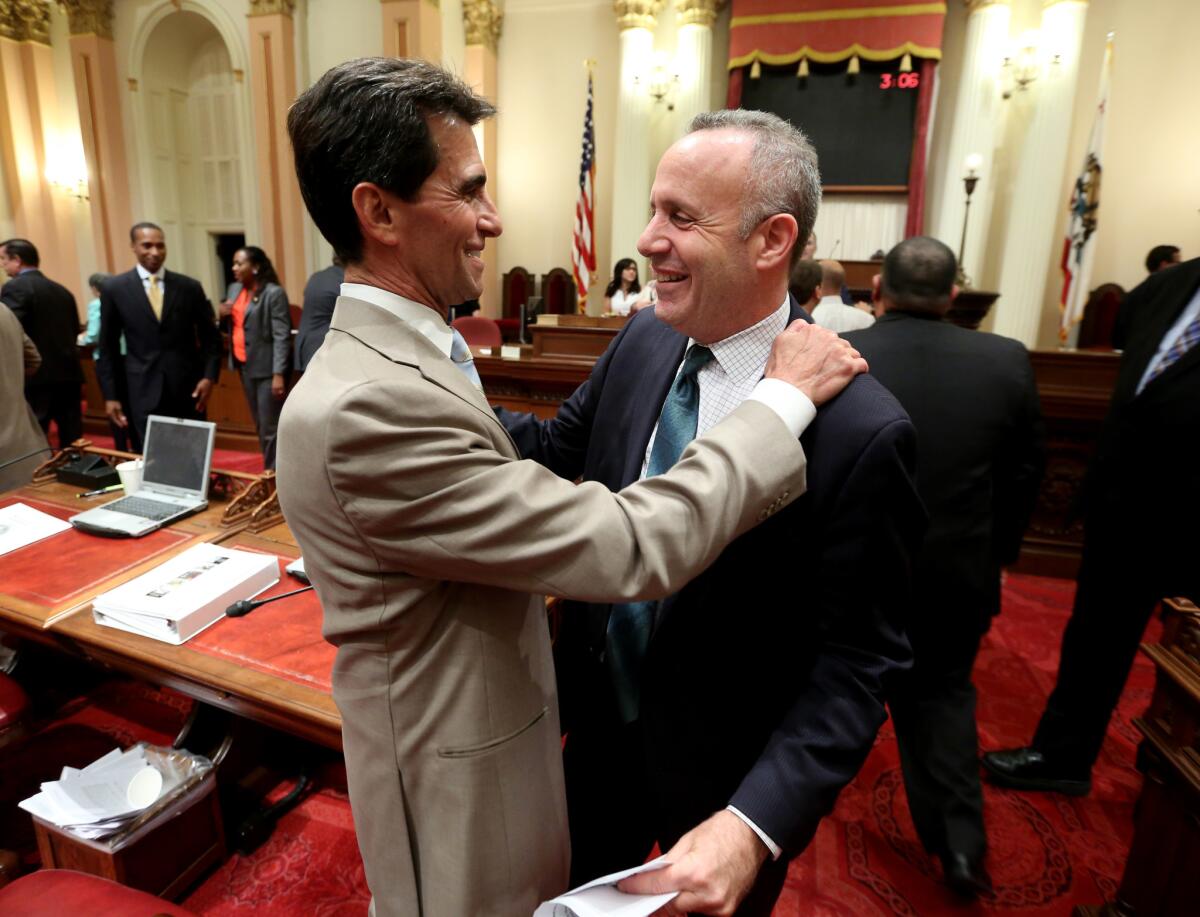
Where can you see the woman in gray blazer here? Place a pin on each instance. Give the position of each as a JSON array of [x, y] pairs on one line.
[[260, 344]]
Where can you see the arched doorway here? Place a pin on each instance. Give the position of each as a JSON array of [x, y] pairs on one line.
[[192, 142]]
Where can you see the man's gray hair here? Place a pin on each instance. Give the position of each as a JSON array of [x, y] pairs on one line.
[[783, 175]]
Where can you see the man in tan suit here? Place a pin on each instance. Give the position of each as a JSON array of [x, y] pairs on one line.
[[22, 442], [431, 544]]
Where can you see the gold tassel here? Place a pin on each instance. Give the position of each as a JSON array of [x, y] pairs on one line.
[[802, 73], [906, 64], [755, 70], [853, 69]]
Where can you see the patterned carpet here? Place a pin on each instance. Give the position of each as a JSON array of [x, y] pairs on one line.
[[1048, 852]]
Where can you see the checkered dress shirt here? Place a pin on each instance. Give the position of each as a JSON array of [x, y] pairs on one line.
[[726, 380]]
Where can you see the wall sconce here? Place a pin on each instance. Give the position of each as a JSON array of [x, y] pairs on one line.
[[1022, 65], [66, 171], [660, 80], [67, 180]]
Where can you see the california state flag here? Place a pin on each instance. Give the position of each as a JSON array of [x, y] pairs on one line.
[[1079, 247]]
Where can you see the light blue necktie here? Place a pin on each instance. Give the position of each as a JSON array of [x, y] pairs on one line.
[[1189, 339], [460, 353], [630, 624]]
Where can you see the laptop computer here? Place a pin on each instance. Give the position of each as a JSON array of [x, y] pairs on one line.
[[177, 458]]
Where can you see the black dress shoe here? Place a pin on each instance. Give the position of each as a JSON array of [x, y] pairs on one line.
[[1028, 769], [966, 875]]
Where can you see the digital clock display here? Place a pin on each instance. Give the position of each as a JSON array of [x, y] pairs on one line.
[[899, 80]]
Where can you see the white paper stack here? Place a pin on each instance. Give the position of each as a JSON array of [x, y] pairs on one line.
[[21, 525], [179, 598], [103, 797], [602, 898]]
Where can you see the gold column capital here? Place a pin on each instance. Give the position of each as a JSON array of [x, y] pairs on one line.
[[976, 5], [1046, 4], [25, 20], [272, 7], [89, 17], [697, 12], [637, 14], [436, 3], [482, 20]]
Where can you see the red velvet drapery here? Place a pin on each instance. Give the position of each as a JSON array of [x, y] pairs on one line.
[[914, 222]]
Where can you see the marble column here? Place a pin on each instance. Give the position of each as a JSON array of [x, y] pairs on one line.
[[413, 28], [1031, 242], [482, 22], [272, 89], [94, 64], [693, 57], [632, 169], [976, 119], [30, 140]]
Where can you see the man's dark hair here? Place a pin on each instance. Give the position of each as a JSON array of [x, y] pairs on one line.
[[804, 280], [23, 249], [133, 230], [1160, 255], [367, 121], [918, 275]]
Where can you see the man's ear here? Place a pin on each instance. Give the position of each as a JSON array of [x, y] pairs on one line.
[[875, 288], [778, 234], [378, 211], [954, 291]]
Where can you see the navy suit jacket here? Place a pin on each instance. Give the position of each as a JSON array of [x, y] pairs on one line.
[[764, 679], [48, 315], [1142, 490], [163, 358]]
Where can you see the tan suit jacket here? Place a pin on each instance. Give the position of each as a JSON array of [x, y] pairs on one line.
[[431, 545], [19, 430]]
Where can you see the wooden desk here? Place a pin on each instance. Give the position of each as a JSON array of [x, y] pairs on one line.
[[56, 610], [30, 602], [575, 336], [226, 683], [536, 384]]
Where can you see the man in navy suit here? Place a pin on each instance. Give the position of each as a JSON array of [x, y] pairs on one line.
[[974, 402], [173, 348], [1141, 499], [48, 314], [756, 692]]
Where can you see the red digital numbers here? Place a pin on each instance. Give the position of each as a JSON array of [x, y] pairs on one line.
[[899, 81]]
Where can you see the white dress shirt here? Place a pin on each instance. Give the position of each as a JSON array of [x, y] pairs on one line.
[[425, 320], [1174, 333], [733, 375], [835, 315], [620, 302], [145, 275]]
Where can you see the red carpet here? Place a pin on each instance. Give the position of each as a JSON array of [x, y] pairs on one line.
[[1048, 853]]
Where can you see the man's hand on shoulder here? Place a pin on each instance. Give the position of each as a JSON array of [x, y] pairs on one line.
[[814, 360], [712, 867]]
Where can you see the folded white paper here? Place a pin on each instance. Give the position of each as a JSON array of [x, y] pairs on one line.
[[103, 797], [21, 525], [600, 897]]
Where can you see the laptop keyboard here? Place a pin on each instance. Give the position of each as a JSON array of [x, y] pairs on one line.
[[154, 510]]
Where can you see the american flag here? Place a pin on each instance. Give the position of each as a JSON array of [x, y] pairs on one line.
[[583, 242]]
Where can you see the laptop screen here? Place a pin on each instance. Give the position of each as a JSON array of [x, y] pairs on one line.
[[178, 454]]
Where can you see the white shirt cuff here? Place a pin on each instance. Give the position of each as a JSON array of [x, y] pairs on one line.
[[776, 852], [792, 405]]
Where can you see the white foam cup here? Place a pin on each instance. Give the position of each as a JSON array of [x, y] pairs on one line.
[[131, 475]]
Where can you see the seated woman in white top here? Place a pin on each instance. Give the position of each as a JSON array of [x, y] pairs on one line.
[[623, 290]]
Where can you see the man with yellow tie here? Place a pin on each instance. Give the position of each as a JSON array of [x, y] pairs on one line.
[[173, 348]]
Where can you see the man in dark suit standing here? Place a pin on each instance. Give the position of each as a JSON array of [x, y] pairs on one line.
[[320, 296], [48, 314], [173, 349], [980, 450], [757, 691], [1141, 500]]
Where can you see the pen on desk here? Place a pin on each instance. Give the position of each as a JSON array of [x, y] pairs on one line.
[[103, 490]]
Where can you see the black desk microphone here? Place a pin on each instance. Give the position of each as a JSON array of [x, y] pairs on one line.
[[245, 606]]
